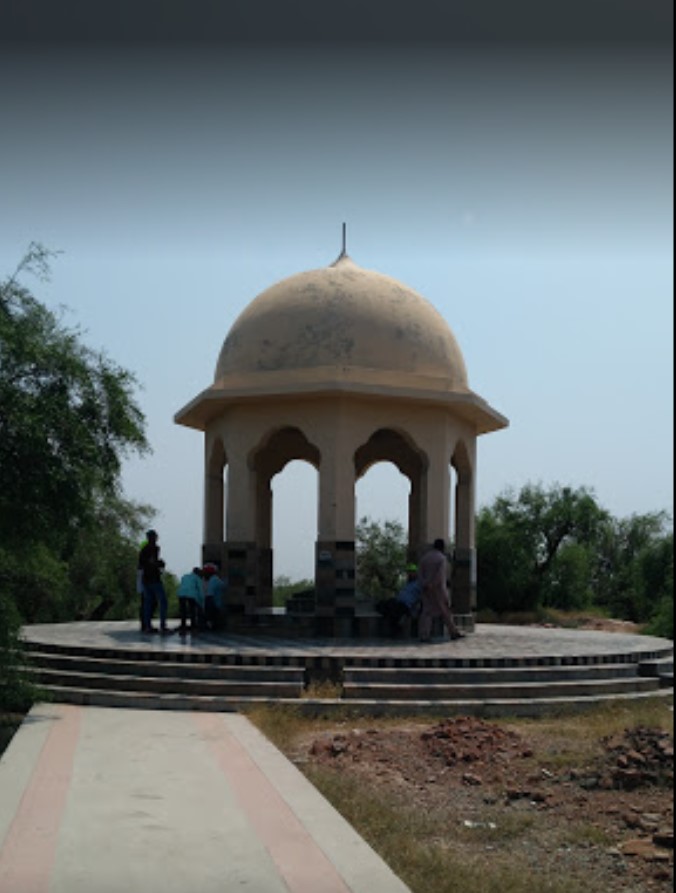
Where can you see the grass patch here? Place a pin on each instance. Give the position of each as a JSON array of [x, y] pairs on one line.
[[586, 834], [432, 849], [427, 855], [324, 691]]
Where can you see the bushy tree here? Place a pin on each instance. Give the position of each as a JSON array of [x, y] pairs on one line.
[[381, 557], [102, 566], [16, 691], [635, 565], [531, 547], [558, 548], [67, 420], [284, 587]]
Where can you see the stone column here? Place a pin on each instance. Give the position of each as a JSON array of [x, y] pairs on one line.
[[335, 555], [437, 496], [464, 564], [241, 559], [212, 533], [263, 577], [418, 536]]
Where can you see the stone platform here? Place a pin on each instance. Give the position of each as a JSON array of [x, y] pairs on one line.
[[497, 670]]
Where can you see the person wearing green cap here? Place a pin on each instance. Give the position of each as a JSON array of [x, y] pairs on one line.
[[406, 603]]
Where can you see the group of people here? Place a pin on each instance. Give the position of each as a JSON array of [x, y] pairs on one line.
[[201, 594], [423, 597]]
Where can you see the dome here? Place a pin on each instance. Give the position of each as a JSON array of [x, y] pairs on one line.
[[341, 321]]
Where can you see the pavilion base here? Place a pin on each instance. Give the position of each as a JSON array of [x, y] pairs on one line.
[[365, 623]]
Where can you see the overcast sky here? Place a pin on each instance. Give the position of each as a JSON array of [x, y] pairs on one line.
[[514, 168]]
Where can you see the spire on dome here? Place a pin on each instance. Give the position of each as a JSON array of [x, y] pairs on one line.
[[343, 254]]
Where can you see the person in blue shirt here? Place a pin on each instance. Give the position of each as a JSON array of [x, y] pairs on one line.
[[214, 600], [406, 603], [190, 601]]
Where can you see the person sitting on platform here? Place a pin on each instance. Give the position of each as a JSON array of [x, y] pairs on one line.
[[406, 603], [190, 601], [214, 601]]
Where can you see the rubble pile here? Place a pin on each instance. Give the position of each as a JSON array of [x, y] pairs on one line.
[[639, 757], [468, 740]]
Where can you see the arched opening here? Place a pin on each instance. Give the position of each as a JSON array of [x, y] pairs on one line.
[[295, 494], [382, 524], [283, 545], [394, 448]]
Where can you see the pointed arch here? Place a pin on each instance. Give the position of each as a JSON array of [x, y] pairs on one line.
[[397, 447]]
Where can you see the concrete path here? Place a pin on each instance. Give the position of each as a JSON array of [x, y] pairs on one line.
[[94, 800]]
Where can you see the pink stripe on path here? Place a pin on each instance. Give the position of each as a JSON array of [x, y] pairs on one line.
[[302, 864], [28, 852]]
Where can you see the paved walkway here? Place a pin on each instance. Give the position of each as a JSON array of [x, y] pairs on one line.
[[94, 800]]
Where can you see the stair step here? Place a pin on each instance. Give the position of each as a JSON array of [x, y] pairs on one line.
[[497, 689], [493, 708], [484, 675], [160, 685], [97, 697], [171, 669], [661, 667]]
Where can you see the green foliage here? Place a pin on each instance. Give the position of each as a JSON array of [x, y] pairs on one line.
[[16, 692], [67, 419], [559, 549], [636, 566], [381, 557], [102, 566], [284, 588]]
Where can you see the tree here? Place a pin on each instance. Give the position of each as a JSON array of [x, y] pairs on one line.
[[67, 420], [558, 548], [532, 546], [284, 588], [636, 566], [381, 557], [16, 691]]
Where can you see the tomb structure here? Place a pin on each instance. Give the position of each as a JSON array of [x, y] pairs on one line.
[[341, 367]]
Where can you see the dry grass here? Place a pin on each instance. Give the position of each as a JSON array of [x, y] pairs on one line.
[[418, 847], [431, 850]]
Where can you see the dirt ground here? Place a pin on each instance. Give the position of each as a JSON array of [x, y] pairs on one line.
[[607, 823]]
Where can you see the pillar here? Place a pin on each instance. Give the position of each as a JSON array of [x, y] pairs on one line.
[[463, 588], [335, 548]]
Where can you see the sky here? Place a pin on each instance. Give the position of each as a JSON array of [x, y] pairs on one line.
[[513, 167]]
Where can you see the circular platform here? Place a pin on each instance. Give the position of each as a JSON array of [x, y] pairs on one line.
[[489, 645]]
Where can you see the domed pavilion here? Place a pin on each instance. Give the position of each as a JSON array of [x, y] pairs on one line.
[[341, 367]]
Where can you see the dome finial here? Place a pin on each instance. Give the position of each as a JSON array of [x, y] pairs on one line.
[[343, 254]]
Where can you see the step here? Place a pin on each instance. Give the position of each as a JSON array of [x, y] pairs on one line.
[[442, 692], [167, 668], [662, 668], [487, 708], [153, 655], [160, 685], [484, 675], [149, 701]]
